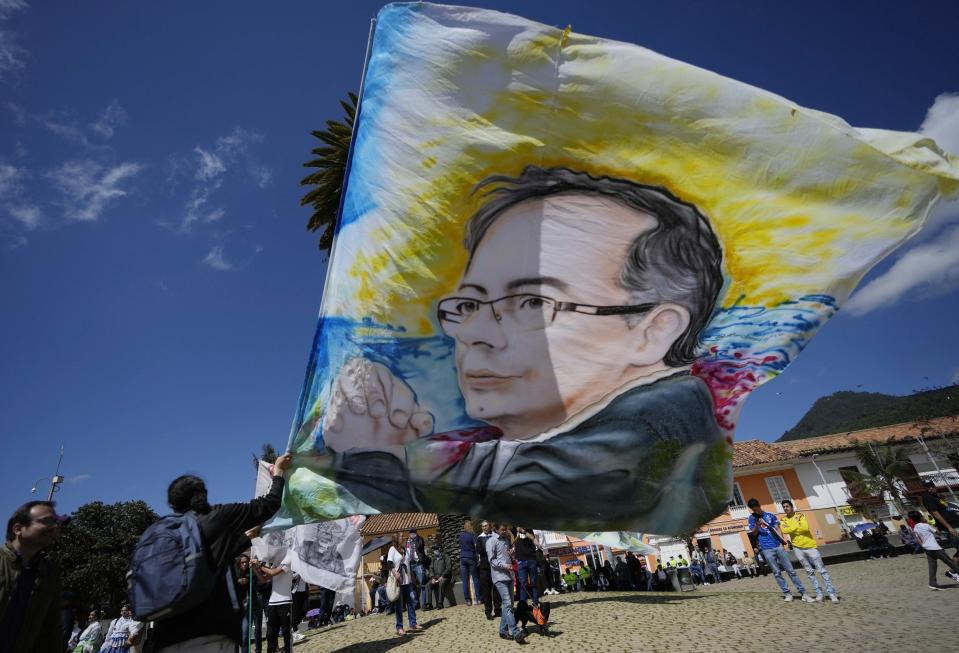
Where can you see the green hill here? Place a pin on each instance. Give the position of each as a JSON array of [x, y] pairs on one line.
[[851, 411]]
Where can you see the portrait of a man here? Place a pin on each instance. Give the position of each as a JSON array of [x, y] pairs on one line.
[[573, 327]]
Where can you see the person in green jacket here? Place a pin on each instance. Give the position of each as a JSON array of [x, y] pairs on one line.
[[571, 578], [585, 575]]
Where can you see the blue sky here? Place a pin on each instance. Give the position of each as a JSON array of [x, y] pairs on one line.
[[158, 290]]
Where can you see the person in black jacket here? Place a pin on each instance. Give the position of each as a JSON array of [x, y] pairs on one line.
[[491, 599], [441, 576], [216, 622]]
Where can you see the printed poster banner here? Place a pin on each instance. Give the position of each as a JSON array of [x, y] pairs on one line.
[[617, 540], [325, 553], [563, 263]]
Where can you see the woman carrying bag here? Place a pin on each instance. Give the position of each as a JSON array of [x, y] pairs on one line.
[[399, 587]]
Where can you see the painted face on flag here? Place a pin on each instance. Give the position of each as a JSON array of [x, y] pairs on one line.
[[523, 363]]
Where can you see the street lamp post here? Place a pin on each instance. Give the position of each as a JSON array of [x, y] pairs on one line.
[[939, 473], [835, 505], [55, 481]]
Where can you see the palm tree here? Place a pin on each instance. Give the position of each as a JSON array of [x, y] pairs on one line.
[[327, 180], [450, 527], [887, 469]]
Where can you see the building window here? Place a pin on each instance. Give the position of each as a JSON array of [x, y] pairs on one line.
[[777, 490], [737, 501]]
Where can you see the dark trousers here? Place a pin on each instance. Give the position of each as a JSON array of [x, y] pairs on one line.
[[468, 571], [300, 600], [491, 597], [442, 590], [932, 558], [278, 617], [257, 628]]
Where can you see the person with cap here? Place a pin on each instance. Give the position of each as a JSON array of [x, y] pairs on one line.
[[30, 584], [947, 519]]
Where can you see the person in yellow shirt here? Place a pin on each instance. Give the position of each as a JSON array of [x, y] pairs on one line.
[[796, 528]]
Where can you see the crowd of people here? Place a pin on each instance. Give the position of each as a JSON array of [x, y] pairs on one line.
[[503, 568]]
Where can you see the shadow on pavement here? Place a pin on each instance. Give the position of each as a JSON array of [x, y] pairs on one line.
[[657, 599]]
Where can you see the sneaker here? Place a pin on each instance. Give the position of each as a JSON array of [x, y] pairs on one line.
[[787, 597], [933, 587], [520, 638], [819, 598], [298, 637], [834, 598], [505, 636], [805, 598], [953, 575]]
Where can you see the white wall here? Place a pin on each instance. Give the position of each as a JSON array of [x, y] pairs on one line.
[[811, 482], [928, 471]]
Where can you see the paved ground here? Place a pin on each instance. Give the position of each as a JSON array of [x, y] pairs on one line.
[[886, 605]]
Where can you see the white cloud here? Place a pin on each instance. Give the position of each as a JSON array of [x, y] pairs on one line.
[[210, 165], [77, 478], [930, 268], [942, 122], [207, 170], [88, 187], [11, 54], [28, 215], [113, 116], [216, 259], [10, 7], [11, 180]]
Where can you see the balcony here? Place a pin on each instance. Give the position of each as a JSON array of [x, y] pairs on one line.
[[738, 512]]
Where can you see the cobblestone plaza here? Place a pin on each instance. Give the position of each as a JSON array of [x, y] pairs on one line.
[[886, 605]]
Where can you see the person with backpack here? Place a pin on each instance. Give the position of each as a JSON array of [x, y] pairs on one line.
[[208, 619]]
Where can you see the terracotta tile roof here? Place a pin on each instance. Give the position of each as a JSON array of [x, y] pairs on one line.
[[758, 452], [755, 452], [398, 521], [844, 441]]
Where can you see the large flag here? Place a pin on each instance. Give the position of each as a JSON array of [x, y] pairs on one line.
[[562, 264]]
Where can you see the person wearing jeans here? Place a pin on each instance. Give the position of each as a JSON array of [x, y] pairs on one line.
[[416, 556], [491, 598], [765, 527], [501, 569], [399, 565], [468, 565], [794, 525], [524, 548], [926, 535]]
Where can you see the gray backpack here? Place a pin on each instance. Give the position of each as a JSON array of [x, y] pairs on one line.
[[169, 573]]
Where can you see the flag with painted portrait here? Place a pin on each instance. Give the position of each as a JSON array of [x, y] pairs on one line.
[[562, 264]]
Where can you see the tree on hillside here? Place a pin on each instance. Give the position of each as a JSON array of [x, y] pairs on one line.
[[888, 469], [327, 180], [94, 551]]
